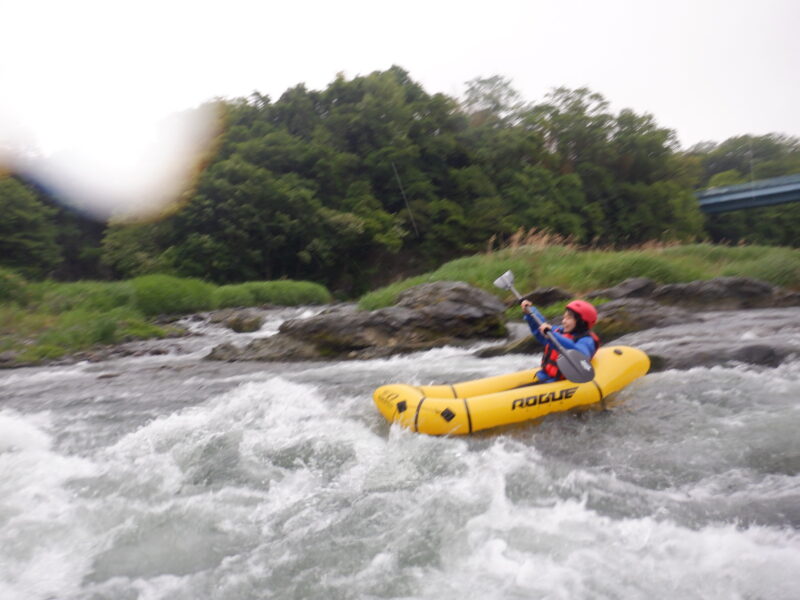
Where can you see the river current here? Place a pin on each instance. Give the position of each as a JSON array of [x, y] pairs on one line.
[[170, 477]]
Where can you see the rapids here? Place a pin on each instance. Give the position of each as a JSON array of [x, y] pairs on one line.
[[171, 477]]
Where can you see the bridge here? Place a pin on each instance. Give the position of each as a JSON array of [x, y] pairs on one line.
[[765, 192]]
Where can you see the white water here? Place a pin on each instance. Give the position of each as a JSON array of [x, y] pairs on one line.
[[173, 478]]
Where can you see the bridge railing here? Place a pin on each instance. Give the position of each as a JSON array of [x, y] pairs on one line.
[[764, 192]]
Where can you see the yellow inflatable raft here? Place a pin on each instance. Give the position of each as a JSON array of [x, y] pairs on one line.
[[470, 406]]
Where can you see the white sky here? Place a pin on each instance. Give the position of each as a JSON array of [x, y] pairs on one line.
[[101, 73]]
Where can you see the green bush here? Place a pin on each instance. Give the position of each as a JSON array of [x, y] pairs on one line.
[[288, 292], [41, 352], [87, 295], [80, 329], [228, 296], [138, 329], [13, 287], [164, 294]]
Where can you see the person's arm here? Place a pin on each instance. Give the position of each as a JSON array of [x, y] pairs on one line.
[[532, 322], [585, 345]]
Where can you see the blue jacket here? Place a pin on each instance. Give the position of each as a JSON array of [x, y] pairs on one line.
[[586, 344]]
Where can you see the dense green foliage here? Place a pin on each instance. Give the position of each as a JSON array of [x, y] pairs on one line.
[[159, 294], [13, 287], [46, 320], [27, 230], [372, 179], [580, 271], [281, 293]]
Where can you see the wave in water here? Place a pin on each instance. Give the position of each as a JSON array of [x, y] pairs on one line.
[[293, 486]]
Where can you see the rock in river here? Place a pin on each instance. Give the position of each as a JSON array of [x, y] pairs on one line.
[[425, 316]]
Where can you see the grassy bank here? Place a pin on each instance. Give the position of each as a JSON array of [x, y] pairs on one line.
[[579, 271], [47, 320]]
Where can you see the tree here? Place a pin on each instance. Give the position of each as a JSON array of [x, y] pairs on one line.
[[492, 100], [27, 231], [576, 127], [753, 157], [130, 250]]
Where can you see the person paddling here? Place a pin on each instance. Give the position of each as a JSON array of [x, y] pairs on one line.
[[575, 333]]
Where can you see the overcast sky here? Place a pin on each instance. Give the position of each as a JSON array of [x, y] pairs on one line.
[[73, 71]]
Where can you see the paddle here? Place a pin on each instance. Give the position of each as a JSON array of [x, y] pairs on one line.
[[572, 363]]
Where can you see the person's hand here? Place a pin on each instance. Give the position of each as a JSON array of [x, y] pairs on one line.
[[544, 328], [525, 305]]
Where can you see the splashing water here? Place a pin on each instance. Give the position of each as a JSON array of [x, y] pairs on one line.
[[175, 478]]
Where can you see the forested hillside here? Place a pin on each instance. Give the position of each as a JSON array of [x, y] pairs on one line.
[[374, 177]]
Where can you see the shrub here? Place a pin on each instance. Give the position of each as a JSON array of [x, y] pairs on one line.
[[164, 294], [228, 296], [41, 352], [86, 295], [13, 287], [79, 329], [288, 292]]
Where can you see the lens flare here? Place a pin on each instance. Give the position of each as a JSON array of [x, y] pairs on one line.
[[121, 168]]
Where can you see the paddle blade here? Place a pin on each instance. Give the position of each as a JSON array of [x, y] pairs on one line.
[[505, 281], [574, 365]]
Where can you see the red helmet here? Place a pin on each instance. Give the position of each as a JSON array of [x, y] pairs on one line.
[[584, 310]]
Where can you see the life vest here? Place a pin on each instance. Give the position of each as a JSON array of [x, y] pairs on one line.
[[551, 354]]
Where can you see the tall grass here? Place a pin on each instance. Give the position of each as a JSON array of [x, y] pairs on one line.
[[280, 293], [580, 271], [165, 294], [288, 293], [228, 296], [88, 295], [13, 287], [37, 335], [46, 320], [781, 267], [480, 270]]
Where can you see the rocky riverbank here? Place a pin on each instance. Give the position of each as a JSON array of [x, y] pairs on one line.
[[454, 313]]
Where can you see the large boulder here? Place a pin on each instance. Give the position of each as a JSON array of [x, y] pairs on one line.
[[547, 295], [635, 287], [721, 293], [710, 354], [626, 315], [427, 316]]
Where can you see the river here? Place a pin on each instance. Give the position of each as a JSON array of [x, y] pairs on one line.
[[170, 477]]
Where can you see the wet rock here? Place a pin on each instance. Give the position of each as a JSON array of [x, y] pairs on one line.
[[244, 321], [752, 354], [526, 345], [619, 317], [546, 296], [8, 358], [785, 299], [722, 293], [635, 287], [426, 316], [217, 316], [275, 348]]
